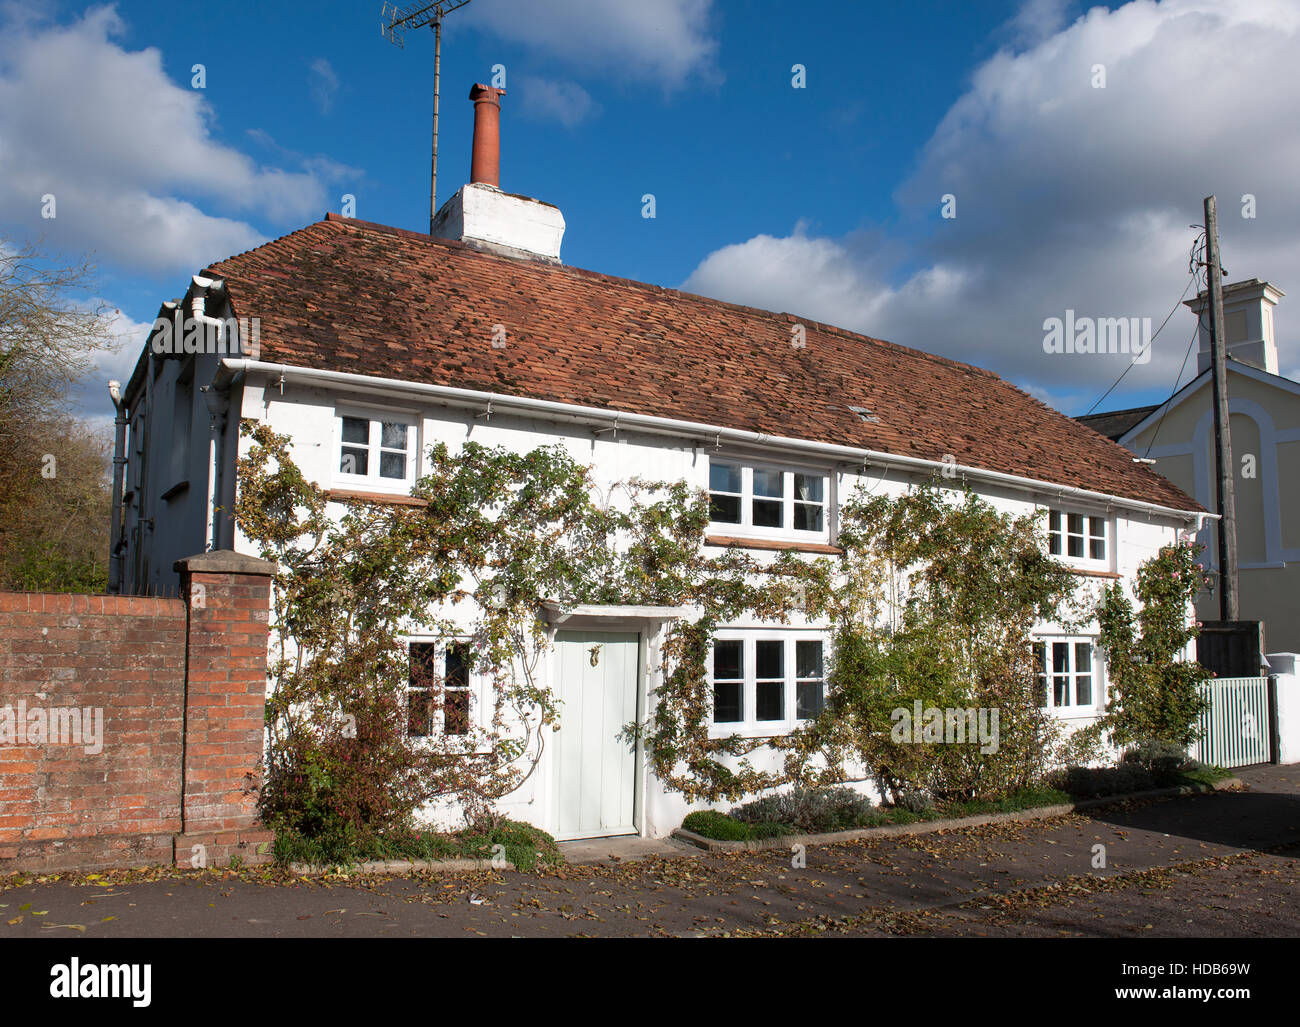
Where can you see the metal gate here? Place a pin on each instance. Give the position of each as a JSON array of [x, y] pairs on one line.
[[1237, 723], [1231, 648]]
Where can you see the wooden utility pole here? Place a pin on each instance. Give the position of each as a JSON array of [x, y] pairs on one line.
[[1222, 431]]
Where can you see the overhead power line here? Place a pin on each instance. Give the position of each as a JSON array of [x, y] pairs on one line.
[[1131, 363]]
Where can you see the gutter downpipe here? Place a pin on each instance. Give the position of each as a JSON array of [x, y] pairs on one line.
[[198, 311], [209, 542], [143, 502], [115, 556], [217, 399], [671, 426], [216, 416]]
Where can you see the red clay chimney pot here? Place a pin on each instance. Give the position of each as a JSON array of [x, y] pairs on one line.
[[485, 162]]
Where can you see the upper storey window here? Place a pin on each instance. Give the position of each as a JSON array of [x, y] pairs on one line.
[[374, 452], [1077, 537], [768, 501]]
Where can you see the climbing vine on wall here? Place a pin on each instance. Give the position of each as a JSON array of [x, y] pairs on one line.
[[932, 601], [1154, 688], [939, 597], [495, 535]]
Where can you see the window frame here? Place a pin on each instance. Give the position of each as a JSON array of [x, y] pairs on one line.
[[1090, 519], [372, 480], [749, 725], [1046, 674], [472, 689], [746, 528]]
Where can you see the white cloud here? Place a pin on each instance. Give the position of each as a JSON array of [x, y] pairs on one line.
[[88, 398], [658, 40], [1037, 20], [323, 83], [556, 100], [324, 168], [798, 273], [1070, 197], [127, 153]]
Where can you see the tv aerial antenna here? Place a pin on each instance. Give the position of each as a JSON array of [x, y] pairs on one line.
[[396, 21]]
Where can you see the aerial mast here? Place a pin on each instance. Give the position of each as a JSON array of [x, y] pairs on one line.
[[396, 20]]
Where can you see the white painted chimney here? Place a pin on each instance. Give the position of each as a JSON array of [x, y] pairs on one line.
[[481, 214], [1247, 324]]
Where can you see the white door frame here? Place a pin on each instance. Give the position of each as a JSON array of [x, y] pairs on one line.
[[648, 622]]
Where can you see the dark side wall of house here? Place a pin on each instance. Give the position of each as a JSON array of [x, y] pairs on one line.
[[165, 496]]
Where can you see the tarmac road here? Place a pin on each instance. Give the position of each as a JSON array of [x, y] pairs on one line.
[[1225, 864]]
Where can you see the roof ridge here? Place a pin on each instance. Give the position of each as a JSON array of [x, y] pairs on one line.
[[338, 220], [1115, 413], [324, 291]]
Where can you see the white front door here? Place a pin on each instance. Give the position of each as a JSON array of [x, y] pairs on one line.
[[595, 769]]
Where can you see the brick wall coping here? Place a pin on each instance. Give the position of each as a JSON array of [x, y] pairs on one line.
[[77, 602], [226, 561]]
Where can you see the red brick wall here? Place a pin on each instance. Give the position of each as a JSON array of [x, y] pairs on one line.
[[224, 712], [180, 687]]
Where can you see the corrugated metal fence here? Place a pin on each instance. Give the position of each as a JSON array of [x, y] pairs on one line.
[[1237, 723]]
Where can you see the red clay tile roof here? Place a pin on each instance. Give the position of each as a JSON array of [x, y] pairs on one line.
[[347, 295]]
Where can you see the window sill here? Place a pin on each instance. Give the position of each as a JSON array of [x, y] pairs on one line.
[[751, 732], [1089, 573], [772, 545], [377, 498]]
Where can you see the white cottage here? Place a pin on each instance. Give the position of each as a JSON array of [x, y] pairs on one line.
[[367, 344]]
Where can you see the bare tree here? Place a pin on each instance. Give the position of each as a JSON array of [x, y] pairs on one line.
[[54, 500]]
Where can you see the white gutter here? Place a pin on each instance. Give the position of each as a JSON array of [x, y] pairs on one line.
[[495, 401]]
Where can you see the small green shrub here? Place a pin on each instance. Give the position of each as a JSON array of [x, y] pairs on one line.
[[719, 826], [712, 824], [809, 810], [525, 846], [1204, 773], [854, 811], [1101, 782], [915, 801], [332, 841], [1021, 799], [1165, 761]]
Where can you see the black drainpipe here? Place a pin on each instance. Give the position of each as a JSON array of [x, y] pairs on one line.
[[119, 472]]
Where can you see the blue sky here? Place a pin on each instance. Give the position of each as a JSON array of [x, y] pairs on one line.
[[824, 201]]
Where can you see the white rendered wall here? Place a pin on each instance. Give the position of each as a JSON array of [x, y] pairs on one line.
[[307, 415], [1285, 667]]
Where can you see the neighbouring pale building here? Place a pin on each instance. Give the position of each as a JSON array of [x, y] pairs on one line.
[[374, 343], [1264, 416]]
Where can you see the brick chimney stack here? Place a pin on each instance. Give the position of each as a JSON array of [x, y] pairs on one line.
[[485, 163], [483, 216]]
